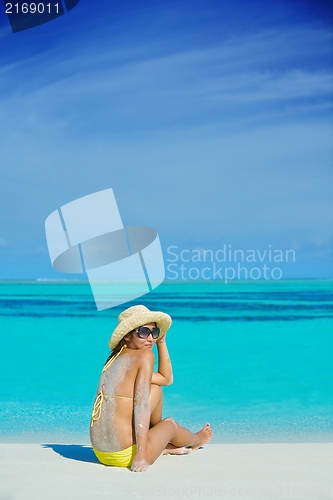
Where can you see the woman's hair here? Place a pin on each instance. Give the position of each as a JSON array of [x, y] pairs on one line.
[[115, 351]]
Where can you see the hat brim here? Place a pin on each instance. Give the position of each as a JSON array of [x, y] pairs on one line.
[[162, 320]]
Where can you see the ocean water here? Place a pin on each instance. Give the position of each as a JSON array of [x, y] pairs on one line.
[[254, 359]]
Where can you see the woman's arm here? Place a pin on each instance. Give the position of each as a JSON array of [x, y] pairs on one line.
[[164, 375], [142, 410]]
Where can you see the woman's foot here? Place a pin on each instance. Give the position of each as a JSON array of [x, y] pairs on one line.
[[170, 449], [204, 436]]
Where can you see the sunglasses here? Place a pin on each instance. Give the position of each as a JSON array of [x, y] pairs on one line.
[[144, 332]]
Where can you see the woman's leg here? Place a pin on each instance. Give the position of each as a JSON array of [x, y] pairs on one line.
[[156, 401], [168, 431]]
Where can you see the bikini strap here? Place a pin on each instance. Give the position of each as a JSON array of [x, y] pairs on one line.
[[109, 363], [97, 408]]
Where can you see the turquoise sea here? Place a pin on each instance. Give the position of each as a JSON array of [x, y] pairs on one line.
[[252, 358]]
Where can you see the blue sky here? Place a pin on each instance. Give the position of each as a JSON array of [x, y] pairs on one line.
[[211, 120]]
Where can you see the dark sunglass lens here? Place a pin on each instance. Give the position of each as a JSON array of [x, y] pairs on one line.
[[155, 332], [143, 332]]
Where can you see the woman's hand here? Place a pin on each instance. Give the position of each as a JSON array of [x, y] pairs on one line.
[[161, 340], [140, 462]]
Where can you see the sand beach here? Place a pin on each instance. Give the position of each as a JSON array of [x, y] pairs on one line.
[[268, 471]]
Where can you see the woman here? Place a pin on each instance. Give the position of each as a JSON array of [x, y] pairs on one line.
[[126, 426]]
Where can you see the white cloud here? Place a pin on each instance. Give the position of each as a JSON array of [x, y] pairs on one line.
[[265, 86], [38, 251], [99, 70]]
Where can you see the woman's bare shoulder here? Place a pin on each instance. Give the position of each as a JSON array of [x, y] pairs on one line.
[[140, 353], [143, 355]]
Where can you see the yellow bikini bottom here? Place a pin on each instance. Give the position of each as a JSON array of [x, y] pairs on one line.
[[122, 458]]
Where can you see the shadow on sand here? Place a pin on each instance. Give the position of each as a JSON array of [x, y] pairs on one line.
[[80, 452]]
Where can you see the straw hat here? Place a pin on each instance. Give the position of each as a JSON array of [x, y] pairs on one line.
[[136, 316]]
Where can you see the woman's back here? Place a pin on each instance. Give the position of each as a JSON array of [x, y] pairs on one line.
[[112, 427]]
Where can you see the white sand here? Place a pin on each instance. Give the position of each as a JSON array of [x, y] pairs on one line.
[[265, 471]]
